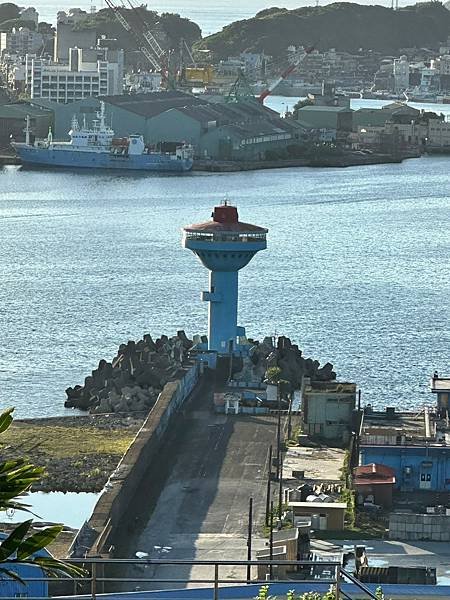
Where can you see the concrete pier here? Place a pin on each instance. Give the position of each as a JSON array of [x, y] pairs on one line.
[[214, 464]]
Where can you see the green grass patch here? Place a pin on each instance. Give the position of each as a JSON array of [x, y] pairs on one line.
[[65, 442]]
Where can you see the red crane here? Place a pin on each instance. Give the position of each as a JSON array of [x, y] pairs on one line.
[[284, 74]]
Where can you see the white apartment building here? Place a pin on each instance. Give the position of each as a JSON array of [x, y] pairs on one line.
[[20, 42], [401, 74], [94, 72]]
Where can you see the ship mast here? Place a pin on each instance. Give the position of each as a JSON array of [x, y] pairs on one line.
[[27, 130]]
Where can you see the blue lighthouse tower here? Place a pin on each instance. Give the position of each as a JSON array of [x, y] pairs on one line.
[[224, 245]]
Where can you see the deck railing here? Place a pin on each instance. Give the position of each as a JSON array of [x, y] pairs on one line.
[[110, 578]]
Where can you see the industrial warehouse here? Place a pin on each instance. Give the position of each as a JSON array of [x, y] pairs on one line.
[[239, 130]]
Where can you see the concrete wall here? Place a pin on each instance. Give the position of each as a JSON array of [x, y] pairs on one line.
[[173, 126], [335, 512], [124, 122], [118, 493], [64, 113], [419, 527], [328, 415]]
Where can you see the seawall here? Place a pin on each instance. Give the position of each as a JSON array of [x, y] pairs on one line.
[[345, 160], [95, 537]]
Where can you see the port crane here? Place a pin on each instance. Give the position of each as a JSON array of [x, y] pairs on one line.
[[284, 74], [140, 31], [241, 87]]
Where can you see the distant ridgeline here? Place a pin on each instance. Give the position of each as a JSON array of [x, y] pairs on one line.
[[170, 27], [343, 25]]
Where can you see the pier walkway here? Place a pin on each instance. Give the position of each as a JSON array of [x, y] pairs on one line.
[[215, 463]]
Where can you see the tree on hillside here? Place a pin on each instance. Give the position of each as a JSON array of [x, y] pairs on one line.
[[300, 104], [8, 11], [16, 24], [16, 478], [346, 26], [44, 28]]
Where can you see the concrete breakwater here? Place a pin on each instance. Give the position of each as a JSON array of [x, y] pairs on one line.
[[97, 535], [132, 381], [140, 462]]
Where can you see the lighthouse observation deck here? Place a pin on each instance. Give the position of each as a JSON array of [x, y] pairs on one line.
[[225, 244], [225, 233], [224, 236]]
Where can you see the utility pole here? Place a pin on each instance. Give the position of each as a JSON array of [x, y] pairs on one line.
[[289, 430], [280, 490], [271, 542], [249, 539], [278, 431], [269, 477]]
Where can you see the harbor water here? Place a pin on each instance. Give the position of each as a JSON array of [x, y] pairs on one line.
[[70, 508], [356, 271]]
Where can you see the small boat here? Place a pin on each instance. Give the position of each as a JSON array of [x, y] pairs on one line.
[[97, 148]]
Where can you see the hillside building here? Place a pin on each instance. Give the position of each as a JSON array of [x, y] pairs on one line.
[[68, 36], [401, 74], [12, 68], [20, 41]]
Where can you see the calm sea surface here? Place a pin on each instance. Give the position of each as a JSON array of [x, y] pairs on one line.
[[357, 271]]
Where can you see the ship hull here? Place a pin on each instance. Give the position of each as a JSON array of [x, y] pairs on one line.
[[46, 157]]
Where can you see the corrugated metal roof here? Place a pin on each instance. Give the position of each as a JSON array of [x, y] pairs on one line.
[[330, 109], [152, 104], [21, 110]]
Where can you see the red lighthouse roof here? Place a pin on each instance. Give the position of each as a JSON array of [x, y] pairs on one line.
[[225, 218]]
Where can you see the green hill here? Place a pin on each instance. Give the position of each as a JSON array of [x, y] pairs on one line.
[[343, 25], [170, 28]]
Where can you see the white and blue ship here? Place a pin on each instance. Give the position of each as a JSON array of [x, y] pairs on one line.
[[97, 148]]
